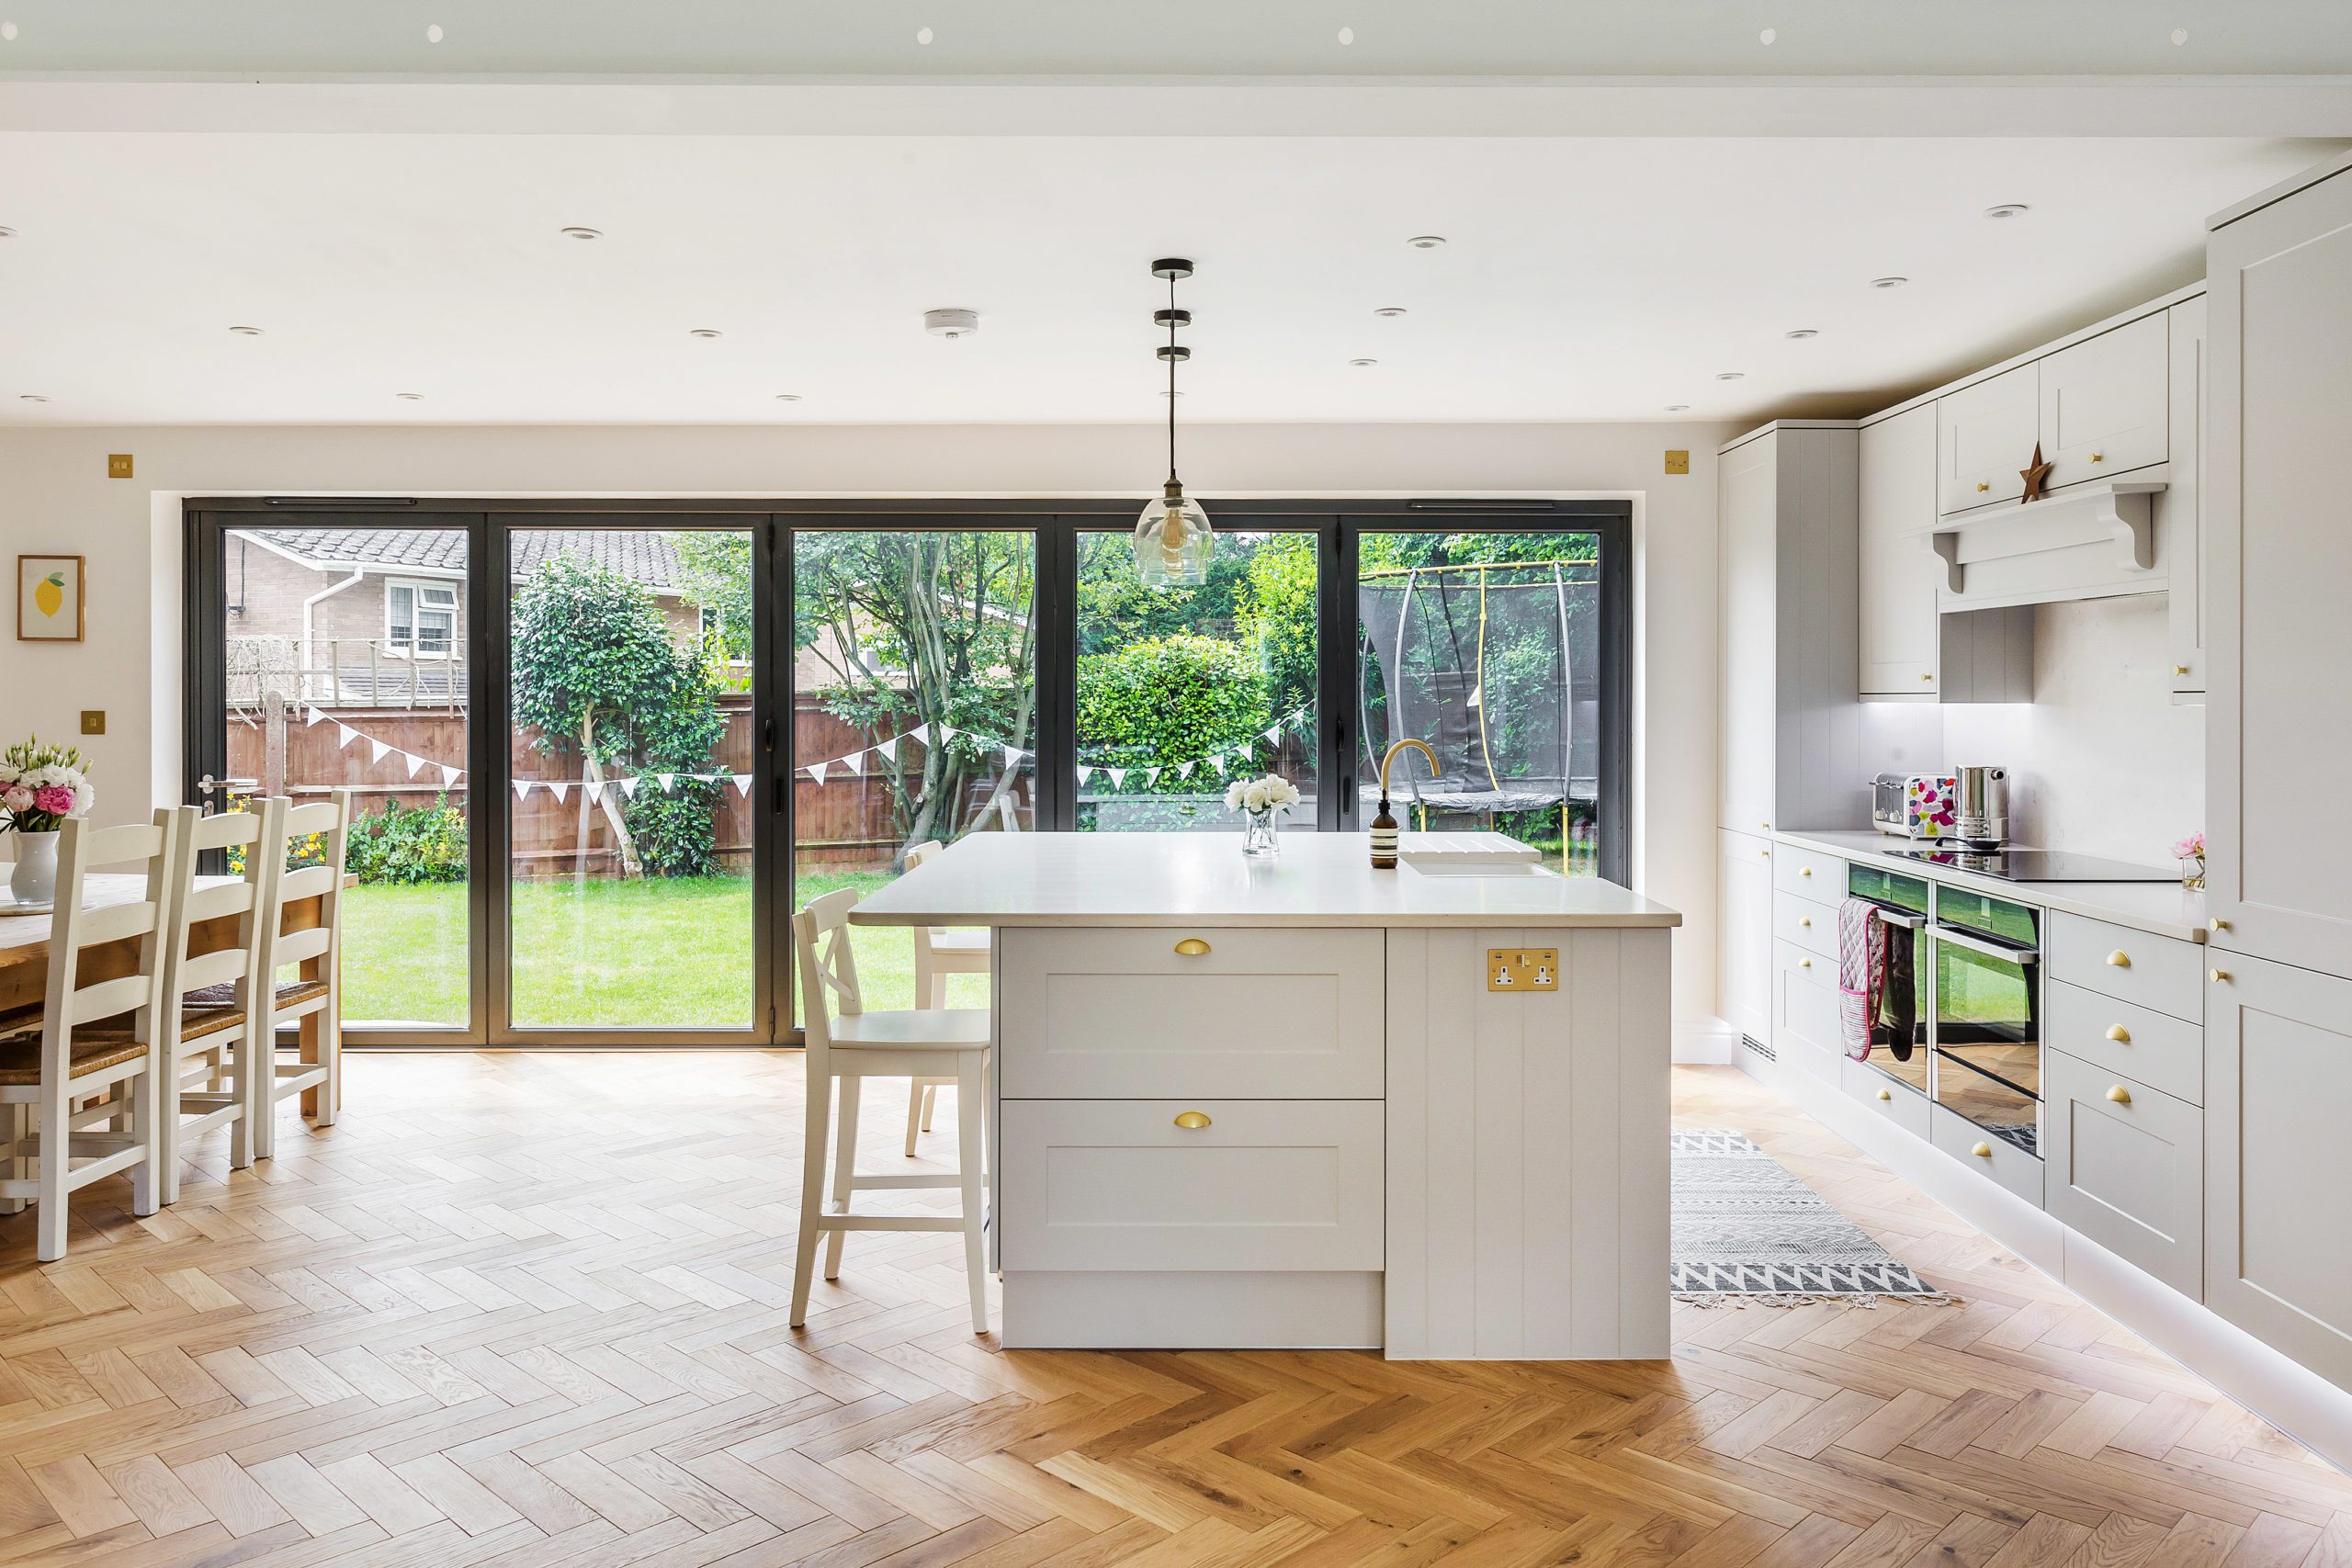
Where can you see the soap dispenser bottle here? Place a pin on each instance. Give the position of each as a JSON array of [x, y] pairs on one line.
[[1384, 825]]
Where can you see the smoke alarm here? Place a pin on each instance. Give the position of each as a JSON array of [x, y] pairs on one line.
[[951, 323]]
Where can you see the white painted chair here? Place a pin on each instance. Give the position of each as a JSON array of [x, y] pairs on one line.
[[212, 1034], [939, 951], [78, 1074], [846, 1046], [317, 995]]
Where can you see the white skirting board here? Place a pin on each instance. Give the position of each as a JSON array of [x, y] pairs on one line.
[[1528, 1181], [1117, 1311], [1706, 1041], [2299, 1401]]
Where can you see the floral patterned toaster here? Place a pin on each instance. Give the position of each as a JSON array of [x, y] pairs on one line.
[[1915, 805]]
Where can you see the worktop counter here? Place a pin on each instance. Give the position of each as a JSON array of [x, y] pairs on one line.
[[2163, 909], [1188, 879]]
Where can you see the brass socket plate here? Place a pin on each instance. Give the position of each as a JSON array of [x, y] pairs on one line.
[[1522, 968]]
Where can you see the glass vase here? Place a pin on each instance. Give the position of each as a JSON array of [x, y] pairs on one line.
[[2193, 874], [1261, 834]]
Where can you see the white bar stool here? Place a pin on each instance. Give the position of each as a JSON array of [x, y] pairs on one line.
[[317, 995], [87, 1054], [846, 1046], [939, 951], [212, 1037]]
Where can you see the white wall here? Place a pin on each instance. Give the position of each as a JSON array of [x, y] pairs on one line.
[[55, 497], [2102, 761]]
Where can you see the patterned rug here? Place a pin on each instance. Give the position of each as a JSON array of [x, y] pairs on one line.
[[1746, 1231]]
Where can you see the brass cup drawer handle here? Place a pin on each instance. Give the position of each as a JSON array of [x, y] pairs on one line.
[[2119, 1034], [1886, 1094], [1192, 1121], [1191, 947], [2119, 1094], [2118, 959], [1983, 1151]]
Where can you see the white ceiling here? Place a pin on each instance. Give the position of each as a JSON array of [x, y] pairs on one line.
[[739, 37], [1585, 279]]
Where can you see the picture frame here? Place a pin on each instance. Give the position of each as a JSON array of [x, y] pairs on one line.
[[52, 598]]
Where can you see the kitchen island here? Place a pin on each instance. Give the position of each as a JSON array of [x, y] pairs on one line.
[[1304, 1103]]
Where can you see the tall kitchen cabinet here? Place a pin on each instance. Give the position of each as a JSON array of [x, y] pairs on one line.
[[2278, 575]]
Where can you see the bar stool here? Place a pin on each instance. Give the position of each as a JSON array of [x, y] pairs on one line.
[[846, 1046], [213, 1028], [939, 951], [87, 1056], [317, 994]]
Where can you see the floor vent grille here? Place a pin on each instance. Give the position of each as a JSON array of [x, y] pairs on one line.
[[1760, 1047]]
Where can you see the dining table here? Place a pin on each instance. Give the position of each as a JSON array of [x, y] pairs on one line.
[[24, 951]]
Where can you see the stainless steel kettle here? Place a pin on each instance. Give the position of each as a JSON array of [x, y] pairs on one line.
[[1982, 817]]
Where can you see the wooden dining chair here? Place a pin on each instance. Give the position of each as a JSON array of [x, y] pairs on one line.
[[312, 1000], [846, 1046], [213, 1032], [939, 951], [78, 1074]]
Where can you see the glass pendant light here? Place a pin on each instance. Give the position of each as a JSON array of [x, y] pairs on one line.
[[1172, 536]]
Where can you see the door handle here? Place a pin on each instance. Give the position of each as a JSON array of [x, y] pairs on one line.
[[767, 735]]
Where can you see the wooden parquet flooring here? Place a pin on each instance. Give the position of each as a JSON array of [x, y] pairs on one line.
[[530, 1310]]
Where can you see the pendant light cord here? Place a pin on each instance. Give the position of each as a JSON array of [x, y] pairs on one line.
[[1171, 380]]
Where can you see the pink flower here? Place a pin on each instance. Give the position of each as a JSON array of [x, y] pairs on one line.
[[55, 799], [2191, 848], [17, 798]]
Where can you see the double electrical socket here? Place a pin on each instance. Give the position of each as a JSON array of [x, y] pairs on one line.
[[1522, 968]]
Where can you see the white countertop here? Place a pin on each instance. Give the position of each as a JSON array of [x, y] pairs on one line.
[[1181, 879], [2165, 909]]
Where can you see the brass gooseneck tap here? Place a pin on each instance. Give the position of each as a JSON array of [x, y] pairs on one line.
[[1384, 826]]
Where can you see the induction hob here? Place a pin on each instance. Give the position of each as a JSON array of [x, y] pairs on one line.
[[2040, 865]]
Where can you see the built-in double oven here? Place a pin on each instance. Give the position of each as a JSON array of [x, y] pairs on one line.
[[1958, 1017]]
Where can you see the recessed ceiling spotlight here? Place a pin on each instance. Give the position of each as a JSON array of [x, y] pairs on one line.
[[30, 397], [1888, 282], [922, 35], [432, 33], [1426, 241], [703, 332], [409, 397], [1347, 35], [1364, 364], [1677, 407], [1731, 375], [787, 397], [1769, 34], [1803, 332], [2008, 209], [576, 232], [951, 323], [1389, 311], [2179, 35]]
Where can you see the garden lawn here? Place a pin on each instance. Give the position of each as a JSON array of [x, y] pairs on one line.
[[672, 953]]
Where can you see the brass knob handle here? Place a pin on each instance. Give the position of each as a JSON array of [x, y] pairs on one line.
[[2216, 924], [1192, 1121], [1804, 963], [2119, 1094], [1926, 677], [1766, 854], [2099, 457], [2119, 1034], [2118, 959], [1983, 1151], [1191, 947], [1805, 871], [2180, 669], [1805, 919], [1886, 1094], [1980, 485], [2218, 974], [1766, 826]]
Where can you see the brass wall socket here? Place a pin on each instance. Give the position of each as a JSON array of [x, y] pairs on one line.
[[1522, 968], [1678, 461], [117, 465], [93, 721]]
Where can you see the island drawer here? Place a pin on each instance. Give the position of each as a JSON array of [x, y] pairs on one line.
[[2158, 972], [1285, 1186], [1241, 1013], [1809, 925]]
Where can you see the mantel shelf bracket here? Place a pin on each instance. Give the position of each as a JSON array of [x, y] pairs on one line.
[[2122, 511]]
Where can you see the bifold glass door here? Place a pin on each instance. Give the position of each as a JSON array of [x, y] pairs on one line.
[[599, 752]]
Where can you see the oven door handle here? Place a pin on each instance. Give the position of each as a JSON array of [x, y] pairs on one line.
[[2020, 955], [1898, 918]]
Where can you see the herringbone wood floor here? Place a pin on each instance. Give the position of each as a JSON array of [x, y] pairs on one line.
[[530, 1310]]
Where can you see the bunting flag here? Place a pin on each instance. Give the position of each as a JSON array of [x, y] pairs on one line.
[[1185, 771], [344, 735], [415, 764], [1118, 776], [628, 787], [1012, 755], [558, 790], [449, 776], [889, 749], [381, 748], [522, 789], [1084, 773], [669, 782], [743, 786], [817, 771], [1151, 778], [314, 715]]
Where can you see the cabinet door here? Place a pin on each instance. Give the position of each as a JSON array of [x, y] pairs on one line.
[[1748, 477], [2181, 508], [2106, 407], [2277, 1166], [1805, 1011], [2279, 558], [1984, 437], [1898, 574], [1744, 944], [2127, 1169]]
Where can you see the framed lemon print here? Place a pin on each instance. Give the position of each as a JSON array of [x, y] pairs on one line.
[[48, 598]]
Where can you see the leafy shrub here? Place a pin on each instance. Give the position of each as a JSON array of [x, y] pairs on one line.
[[1168, 700], [673, 831], [408, 845]]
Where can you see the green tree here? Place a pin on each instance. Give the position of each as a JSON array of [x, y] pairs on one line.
[[1166, 701], [1274, 610], [595, 667]]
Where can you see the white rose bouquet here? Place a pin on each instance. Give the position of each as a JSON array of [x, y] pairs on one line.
[[42, 786], [1272, 792]]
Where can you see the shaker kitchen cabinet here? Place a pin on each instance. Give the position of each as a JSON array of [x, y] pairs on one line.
[[1898, 572], [2278, 559], [1747, 480], [1744, 934], [2105, 407], [1984, 435], [2180, 510], [2277, 1167]]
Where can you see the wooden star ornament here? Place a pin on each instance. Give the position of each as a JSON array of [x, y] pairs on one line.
[[2034, 475]]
